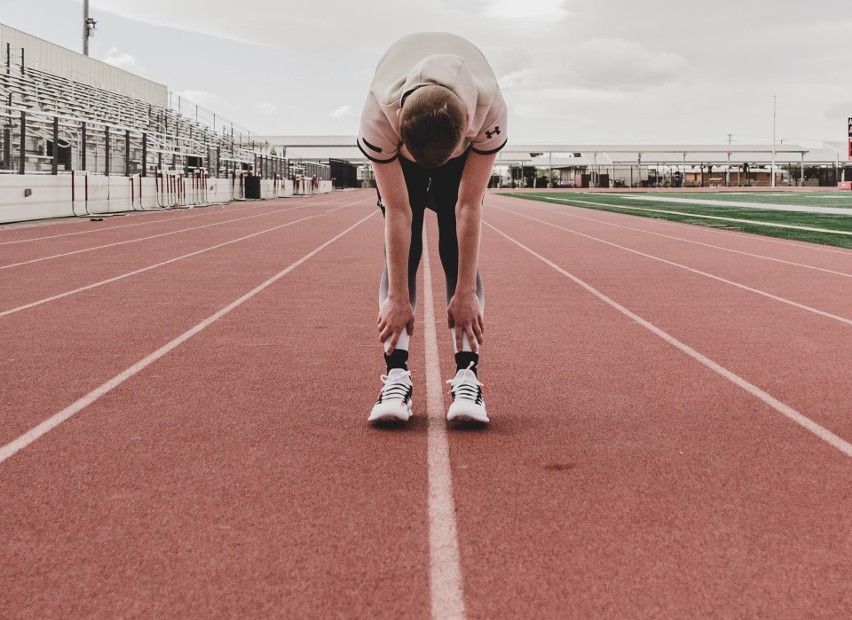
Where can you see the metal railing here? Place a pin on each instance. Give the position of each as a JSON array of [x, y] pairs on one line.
[[50, 124]]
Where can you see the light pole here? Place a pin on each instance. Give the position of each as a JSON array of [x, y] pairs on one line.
[[772, 171], [89, 25]]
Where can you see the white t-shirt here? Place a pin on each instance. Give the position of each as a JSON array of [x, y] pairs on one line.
[[432, 58]]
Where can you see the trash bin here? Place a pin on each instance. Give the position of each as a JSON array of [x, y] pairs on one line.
[[252, 187]]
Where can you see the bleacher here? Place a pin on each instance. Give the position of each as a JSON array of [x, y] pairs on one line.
[[107, 132]]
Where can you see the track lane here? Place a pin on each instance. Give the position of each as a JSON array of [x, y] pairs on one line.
[[56, 352], [571, 214], [770, 245], [65, 248], [621, 478], [41, 284], [794, 355], [13, 234], [236, 476], [825, 290]]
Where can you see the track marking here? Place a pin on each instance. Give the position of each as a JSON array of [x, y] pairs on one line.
[[162, 264], [783, 300], [445, 582], [765, 206], [138, 239], [200, 213], [802, 245], [58, 418], [707, 245], [705, 217], [823, 433]]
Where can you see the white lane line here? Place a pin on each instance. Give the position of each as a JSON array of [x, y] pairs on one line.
[[202, 213], [162, 264], [754, 238], [707, 245], [58, 418], [138, 239], [704, 217], [823, 433], [766, 206], [445, 582], [783, 300]]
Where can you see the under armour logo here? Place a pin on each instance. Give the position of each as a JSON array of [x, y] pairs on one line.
[[491, 134]]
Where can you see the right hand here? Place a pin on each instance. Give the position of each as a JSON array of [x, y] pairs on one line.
[[395, 315]]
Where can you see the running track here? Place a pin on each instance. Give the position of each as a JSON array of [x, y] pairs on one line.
[[184, 400]]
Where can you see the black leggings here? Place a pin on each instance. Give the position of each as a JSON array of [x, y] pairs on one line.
[[436, 189]]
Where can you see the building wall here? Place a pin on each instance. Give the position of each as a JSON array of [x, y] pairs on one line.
[[33, 197], [63, 62]]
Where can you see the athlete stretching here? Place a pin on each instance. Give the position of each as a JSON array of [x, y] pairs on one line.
[[432, 125]]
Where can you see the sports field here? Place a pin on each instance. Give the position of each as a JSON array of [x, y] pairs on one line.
[[817, 217], [184, 432]]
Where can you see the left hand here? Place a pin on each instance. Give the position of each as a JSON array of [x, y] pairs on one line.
[[464, 316]]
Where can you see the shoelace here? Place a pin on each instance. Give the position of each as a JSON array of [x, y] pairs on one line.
[[395, 389], [468, 389]]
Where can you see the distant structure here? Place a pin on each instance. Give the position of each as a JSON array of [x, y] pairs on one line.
[[81, 137], [625, 165]]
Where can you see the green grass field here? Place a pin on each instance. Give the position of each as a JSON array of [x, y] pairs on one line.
[[823, 228]]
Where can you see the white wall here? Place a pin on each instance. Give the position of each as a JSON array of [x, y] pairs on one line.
[[66, 195]]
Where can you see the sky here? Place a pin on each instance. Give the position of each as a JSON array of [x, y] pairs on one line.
[[572, 71]]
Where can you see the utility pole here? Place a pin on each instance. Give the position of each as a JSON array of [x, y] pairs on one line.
[[730, 138], [772, 172], [88, 27]]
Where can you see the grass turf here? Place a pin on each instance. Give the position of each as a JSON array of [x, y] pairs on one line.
[[745, 219]]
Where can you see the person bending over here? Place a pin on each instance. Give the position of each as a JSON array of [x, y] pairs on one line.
[[432, 125]]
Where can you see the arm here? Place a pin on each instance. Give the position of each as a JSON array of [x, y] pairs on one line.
[[464, 314], [396, 312]]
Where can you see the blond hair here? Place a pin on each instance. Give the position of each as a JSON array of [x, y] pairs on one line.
[[432, 124]]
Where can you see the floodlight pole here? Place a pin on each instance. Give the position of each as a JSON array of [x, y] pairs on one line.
[[772, 172], [85, 27], [88, 27]]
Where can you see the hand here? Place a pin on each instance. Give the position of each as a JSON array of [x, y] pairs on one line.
[[464, 316], [395, 315]]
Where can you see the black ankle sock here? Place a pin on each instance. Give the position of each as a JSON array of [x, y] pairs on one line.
[[464, 358], [397, 359]]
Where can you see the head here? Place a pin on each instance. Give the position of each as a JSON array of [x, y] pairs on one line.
[[432, 123]]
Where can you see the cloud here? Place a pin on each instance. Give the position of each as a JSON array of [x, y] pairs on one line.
[[264, 107], [122, 60], [542, 10], [225, 109], [607, 70], [202, 98], [842, 109], [508, 62], [342, 112], [615, 64]]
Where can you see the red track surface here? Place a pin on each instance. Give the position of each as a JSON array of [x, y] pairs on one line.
[[229, 471]]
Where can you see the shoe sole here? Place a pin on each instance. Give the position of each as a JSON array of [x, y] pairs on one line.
[[467, 416], [390, 413]]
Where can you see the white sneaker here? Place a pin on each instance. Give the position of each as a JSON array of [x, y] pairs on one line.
[[395, 398], [468, 404]]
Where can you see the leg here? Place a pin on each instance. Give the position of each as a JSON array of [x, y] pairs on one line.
[[394, 402], [444, 195], [417, 183]]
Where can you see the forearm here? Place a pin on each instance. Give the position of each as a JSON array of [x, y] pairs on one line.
[[474, 182], [468, 227], [397, 244], [391, 184]]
